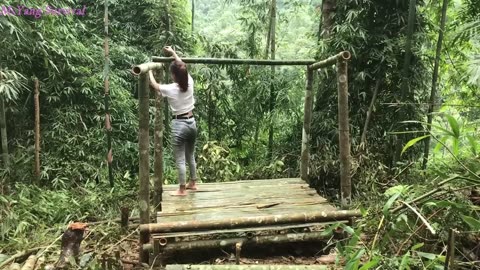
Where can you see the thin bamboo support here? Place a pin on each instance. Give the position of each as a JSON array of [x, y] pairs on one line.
[[342, 56], [344, 133], [145, 67], [449, 259], [3, 131], [158, 139], [246, 267], [198, 225], [106, 71], [233, 61], [37, 131], [307, 121], [144, 166], [242, 241]]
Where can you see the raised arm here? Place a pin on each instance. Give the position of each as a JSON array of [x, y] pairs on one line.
[[153, 82], [170, 50]]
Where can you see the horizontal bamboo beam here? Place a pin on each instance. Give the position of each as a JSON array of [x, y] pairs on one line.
[[145, 67], [345, 55], [246, 241], [199, 225], [247, 267], [233, 61]]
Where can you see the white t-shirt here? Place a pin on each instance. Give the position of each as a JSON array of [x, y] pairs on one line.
[[180, 102]]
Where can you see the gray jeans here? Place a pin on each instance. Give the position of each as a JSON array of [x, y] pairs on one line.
[[184, 134]]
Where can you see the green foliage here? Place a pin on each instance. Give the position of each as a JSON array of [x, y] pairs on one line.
[[214, 163]]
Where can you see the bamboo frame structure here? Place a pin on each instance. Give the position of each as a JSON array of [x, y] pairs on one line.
[[147, 228], [343, 123]]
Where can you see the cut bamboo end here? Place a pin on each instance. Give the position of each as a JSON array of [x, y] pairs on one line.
[[345, 55]]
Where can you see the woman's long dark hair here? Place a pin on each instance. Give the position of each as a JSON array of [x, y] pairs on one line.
[[179, 69]]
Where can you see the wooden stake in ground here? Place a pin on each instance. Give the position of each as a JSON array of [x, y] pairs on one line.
[[37, 132], [307, 121], [344, 133]]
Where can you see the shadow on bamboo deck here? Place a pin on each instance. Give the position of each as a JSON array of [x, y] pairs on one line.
[[241, 212]]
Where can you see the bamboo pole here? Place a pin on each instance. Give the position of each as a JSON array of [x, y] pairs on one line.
[[363, 138], [342, 56], [307, 120], [145, 67], [344, 133], [246, 267], [158, 139], [3, 131], [37, 132], [259, 221], [106, 71], [233, 61], [271, 105], [449, 258], [144, 167], [243, 241], [433, 91]]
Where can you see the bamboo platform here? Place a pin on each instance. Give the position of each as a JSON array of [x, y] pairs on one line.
[[251, 212]]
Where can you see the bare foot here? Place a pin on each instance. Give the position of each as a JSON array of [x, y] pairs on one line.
[[191, 185], [180, 192]]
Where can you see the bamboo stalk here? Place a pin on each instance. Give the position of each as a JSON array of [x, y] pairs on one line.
[[344, 133], [342, 56], [363, 140], [234, 61], [3, 131], [243, 241], [271, 101], [449, 259], [433, 91], [145, 67], [246, 267], [37, 132], [259, 221], [106, 71], [307, 121], [144, 166], [158, 139]]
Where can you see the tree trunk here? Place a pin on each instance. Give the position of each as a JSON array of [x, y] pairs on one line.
[[37, 132], [273, 95], [158, 139], [106, 71], [407, 96], [3, 130], [144, 167], [433, 91], [328, 11], [363, 140]]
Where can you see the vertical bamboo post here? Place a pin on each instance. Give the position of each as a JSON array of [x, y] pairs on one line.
[[158, 139], [106, 70], [144, 166], [344, 133], [37, 132], [449, 262], [3, 130], [307, 120]]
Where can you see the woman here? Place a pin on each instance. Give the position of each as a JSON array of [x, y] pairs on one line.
[[184, 129]]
